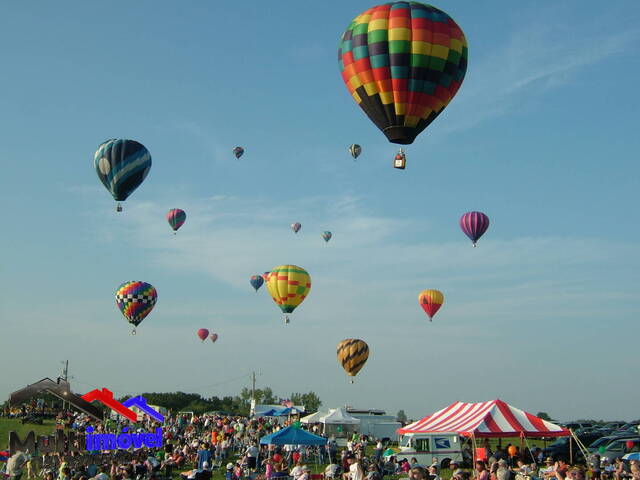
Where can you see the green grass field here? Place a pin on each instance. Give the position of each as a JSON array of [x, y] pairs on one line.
[[9, 424]]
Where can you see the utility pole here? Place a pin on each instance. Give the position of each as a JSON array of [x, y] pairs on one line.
[[253, 386], [65, 373]]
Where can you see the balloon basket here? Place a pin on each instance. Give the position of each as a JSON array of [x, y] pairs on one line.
[[351, 382], [286, 320], [133, 332], [118, 208], [474, 245]]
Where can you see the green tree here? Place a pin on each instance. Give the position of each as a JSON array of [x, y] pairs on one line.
[[310, 400], [263, 396], [544, 416], [401, 417]]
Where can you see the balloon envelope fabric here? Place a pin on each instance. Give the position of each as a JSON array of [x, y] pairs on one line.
[[474, 225], [288, 285], [403, 62], [122, 165], [136, 300], [352, 355], [176, 218]]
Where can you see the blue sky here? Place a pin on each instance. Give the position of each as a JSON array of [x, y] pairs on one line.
[[542, 137]]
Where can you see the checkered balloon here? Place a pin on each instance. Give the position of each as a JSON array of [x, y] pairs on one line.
[[136, 300], [403, 62]]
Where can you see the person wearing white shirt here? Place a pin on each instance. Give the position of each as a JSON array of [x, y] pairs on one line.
[[296, 471]]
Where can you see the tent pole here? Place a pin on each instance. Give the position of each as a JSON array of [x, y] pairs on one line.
[[473, 451], [571, 448]]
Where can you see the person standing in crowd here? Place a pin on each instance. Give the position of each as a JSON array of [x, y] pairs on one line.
[[378, 451], [503, 472], [203, 455], [481, 471], [15, 465], [252, 456], [355, 470]]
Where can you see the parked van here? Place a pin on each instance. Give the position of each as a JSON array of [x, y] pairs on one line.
[[427, 447]]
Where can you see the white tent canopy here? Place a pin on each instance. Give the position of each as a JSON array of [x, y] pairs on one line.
[[338, 416], [313, 418]]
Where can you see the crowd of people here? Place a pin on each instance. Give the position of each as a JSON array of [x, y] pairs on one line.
[[196, 446]]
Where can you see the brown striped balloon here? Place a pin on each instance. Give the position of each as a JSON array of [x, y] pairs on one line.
[[352, 355]]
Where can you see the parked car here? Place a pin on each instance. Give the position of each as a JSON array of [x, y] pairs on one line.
[[618, 447], [563, 447], [604, 441]]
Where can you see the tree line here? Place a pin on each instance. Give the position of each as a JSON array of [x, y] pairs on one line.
[[235, 405]]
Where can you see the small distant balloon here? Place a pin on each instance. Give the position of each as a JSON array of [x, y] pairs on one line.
[[214, 337], [296, 227], [238, 152], [512, 451], [355, 150], [474, 224], [203, 333], [326, 236], [176, 218], [431, 301], [256, 281]]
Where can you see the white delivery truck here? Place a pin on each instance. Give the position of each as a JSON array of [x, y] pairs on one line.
[[427, 447]]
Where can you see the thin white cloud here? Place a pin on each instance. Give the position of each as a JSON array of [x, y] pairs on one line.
[[536, 57]]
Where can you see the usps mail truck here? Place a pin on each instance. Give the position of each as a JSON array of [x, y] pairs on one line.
[[427, 447]]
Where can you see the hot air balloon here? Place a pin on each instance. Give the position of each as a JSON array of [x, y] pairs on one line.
[[121, 165], [238, 152], [431, 301], [296, 227], [136, 300], [214, 337], [256, 281], [403, 62], [327, 236], [355, 150], [352, 354], [288, 285], [203, 333], [474, 224], [176, 218]]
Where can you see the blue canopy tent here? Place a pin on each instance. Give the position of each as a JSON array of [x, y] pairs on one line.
[[292, 436]]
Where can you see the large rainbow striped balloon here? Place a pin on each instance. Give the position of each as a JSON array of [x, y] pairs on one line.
[[403, 62], [136, 300]]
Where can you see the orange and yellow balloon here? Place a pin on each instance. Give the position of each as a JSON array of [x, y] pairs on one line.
[[431, 301], [288, 285], [352, 355]]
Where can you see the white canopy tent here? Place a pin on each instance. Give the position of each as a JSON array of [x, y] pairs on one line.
[[313, 418], [339, 423]]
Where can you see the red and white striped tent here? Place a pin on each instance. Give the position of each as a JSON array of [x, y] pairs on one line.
[[485, 419]]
